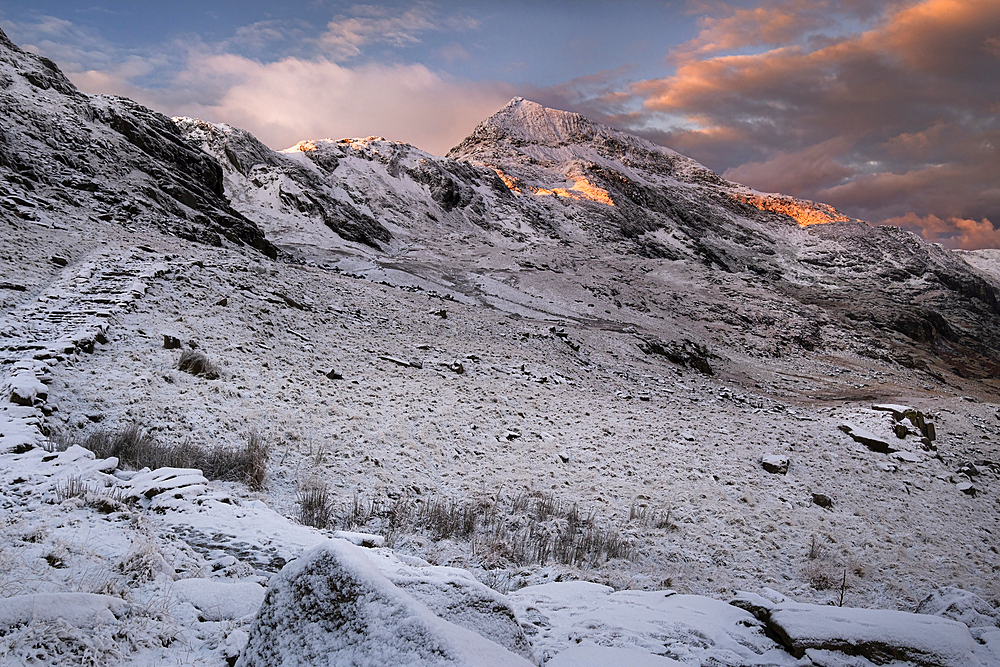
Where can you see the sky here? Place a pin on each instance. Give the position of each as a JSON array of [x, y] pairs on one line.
[[887, 109]]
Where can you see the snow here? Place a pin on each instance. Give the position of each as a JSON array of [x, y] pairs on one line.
[[221, 600], [880, 634], [334, 607], [606, 656]]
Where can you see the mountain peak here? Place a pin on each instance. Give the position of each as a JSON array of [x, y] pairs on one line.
[[522, 120]]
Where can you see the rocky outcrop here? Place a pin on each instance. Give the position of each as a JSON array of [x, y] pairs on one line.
[[844, 635], [250, 166], [64, 153]]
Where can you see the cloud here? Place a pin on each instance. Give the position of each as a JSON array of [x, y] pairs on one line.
[[373, 24], [287, 99], [880, 108], [955, 232], [295, 99], [798, 171], [741, 27]]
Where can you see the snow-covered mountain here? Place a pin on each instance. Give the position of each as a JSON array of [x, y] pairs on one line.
[[573, 398], [532, 189]]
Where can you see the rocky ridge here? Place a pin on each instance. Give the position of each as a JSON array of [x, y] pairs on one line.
[[579, 204], [64, 154]]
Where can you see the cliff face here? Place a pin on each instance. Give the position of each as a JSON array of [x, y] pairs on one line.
[[64, 153]]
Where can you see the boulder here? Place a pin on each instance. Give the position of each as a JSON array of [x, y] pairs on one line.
[[220, 599], [967, 488], [960, 605], [457, 597], [25, 388], [879, 635], [82, 610], [822, 500], [333, 606], [874, 442]]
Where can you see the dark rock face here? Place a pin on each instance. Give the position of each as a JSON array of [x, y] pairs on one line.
[[66, 153], [254, 166], [684, 353]]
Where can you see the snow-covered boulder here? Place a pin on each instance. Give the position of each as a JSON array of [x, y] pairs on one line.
[[456, 596], [960, 605], [333, 606], [81, 610], [879, 635], [568, 621], [219, 599], [24, 388]]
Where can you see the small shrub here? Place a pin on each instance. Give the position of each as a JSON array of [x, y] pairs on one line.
[[197, 363], [315, 506], [141, 564], [521, 530], [643, 515], [72, 487]]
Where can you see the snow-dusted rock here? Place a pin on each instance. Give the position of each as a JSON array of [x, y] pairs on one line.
[[872, 441], [692, 629], [960, 605], [82, 610], [456, 596], [334, 607], [24, 388], [876, 634], [775, 463], [178, 481], [967, 488], [219, 599]]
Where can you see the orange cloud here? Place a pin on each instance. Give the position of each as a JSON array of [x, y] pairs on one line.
[[773, 24], [897, 117], [954, 232]]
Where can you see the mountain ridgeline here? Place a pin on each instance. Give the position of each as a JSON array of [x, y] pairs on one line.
[[539, 212]]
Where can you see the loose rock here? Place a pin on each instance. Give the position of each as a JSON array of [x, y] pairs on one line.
[[775, 463], [822, 500]]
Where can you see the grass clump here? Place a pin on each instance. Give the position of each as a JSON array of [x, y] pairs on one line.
[[197, 363], [315, 504], [136, 448], [519, 530]]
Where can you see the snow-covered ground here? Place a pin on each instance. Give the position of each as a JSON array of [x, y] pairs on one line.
[[623, 435]]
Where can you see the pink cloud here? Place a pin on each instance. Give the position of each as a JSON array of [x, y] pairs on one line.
[[295, 99], [954, 232], [893, 118]]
